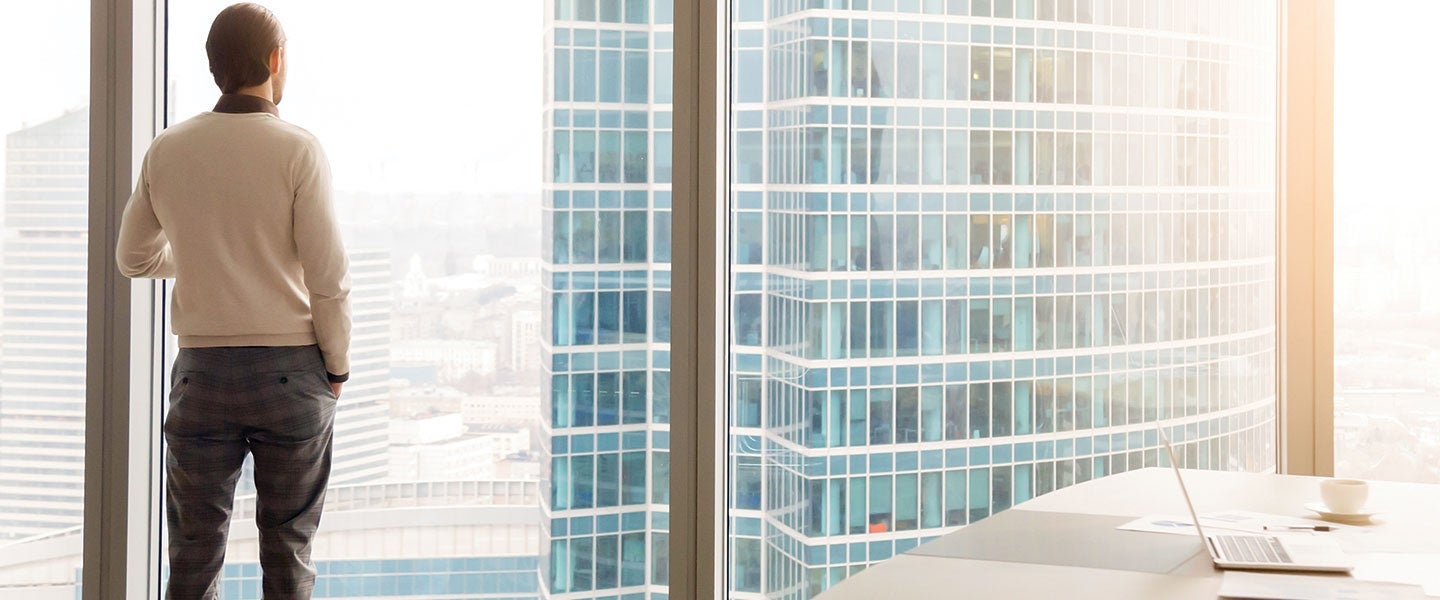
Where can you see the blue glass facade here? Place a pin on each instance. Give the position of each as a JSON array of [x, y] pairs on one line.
[[982, 251], [607, 289], [979, 250]]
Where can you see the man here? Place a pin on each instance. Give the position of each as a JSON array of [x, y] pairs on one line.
[[235, 205]]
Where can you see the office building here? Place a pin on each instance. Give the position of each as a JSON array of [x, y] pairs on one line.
[[524, 342], [606, 290], [42, 339], [362, 415], [980, 256], [965, 272], [441, 446]]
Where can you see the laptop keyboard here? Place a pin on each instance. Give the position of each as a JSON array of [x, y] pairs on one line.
[[1251, 549]]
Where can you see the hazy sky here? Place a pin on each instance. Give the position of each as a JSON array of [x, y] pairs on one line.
[[1386, 121], [46, 46], [424, 95], [445, 94]]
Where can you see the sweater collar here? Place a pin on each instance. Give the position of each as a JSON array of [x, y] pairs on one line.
[[244, 103]]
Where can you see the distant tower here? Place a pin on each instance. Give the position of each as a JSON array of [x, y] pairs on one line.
[[362, 437], [525, 333], [42, 339]]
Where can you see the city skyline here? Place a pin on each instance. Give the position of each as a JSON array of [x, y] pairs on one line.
[[963, 273]]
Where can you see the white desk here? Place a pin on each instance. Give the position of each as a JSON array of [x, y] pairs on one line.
[[1408, 522]]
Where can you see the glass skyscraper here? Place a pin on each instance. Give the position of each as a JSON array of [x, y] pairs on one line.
[[607, 289], [362, 421], [982, 251]]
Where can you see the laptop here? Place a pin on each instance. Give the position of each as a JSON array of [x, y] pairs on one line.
[[1264, 552]]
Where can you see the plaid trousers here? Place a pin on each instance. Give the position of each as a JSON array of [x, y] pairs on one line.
[[275, 403]]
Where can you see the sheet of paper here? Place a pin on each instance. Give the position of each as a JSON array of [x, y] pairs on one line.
[[1383, 537], [1415, 569], [1225, 521], [1277, 586], [1162, 524]]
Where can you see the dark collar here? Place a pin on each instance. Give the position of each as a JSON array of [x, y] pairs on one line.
[[244, 103]]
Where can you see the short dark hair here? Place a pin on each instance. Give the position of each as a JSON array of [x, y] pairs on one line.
[[241, 40]]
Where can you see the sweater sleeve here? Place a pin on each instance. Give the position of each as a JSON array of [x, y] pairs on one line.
[[142, 249], [322, 256]]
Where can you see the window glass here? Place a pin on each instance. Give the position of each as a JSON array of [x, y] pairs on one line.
[[932, 242], [907, 70], [1024, 75], [980, 157], [932, 76], [463, 324], [1385, 304], [1004, 74], [44, 214], [1002, 157], [956, 168], [881, 505], [957, 74], [980, 77], [1045, 76]]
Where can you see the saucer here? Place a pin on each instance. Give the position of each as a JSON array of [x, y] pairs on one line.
[[1361, 516]]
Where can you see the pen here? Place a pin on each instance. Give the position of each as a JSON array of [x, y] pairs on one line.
[[1299, 528]]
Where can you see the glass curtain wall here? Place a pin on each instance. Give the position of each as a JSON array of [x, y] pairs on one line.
[[44, 215], [606, 221], [1387, 311], [981, 251]]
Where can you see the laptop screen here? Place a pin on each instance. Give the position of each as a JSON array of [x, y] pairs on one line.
[[1175, 466]]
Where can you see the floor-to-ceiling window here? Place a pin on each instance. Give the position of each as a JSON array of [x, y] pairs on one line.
[[1387, 302], [983, 250], [502, 178], [978, 250], [439, 478], [44, 121]]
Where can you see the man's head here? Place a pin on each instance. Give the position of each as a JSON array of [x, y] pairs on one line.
[[247, 51]]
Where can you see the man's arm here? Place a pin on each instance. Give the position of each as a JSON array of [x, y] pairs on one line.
[[322, 256], [143, 250]]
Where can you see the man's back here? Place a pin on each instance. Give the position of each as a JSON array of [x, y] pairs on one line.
[[243, 199]]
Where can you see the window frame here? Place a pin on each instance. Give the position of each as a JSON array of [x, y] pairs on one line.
[[125, 340], [698, 534], [1305, 213]]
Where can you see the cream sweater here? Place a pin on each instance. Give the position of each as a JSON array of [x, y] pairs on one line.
[[237, 208]]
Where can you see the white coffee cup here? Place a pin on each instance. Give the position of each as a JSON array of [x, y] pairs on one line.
[[1344, 496]]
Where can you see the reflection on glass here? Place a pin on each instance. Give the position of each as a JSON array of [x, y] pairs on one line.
[[1004, 74], [972, 254], [980, 83]]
